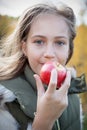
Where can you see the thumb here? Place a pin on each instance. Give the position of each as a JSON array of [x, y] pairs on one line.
[[40, 88]]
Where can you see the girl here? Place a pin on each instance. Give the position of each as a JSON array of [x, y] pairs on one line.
[[44, 33]]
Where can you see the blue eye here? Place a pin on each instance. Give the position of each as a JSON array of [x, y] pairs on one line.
[[39, 42], [60, 43]]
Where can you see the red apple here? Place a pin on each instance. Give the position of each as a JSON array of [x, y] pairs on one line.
[[46, 69]]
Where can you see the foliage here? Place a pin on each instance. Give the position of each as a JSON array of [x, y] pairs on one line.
[[7, 24], [85, 122], [79, 60]]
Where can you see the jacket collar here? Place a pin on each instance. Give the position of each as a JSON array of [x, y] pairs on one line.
[[29, 77], [24, 88], [78, 84]]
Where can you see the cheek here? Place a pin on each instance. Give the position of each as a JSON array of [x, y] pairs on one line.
[[33, 57], [62, 57], [32, 61]]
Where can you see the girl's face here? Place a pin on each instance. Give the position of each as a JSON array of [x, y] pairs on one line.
[[48, 40]]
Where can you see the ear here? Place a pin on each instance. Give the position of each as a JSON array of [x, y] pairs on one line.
[[24, 50]]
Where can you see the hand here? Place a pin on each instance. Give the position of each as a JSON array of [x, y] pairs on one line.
[[52, 103]]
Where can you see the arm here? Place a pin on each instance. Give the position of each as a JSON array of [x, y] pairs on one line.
[[52, 103]]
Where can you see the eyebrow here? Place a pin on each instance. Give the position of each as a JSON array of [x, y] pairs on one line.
[[38, 36], [45, 36]]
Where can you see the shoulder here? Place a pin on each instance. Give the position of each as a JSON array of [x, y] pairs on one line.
[[78, 85], [14, 82]]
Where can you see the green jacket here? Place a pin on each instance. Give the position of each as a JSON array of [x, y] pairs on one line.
[[23, 105]]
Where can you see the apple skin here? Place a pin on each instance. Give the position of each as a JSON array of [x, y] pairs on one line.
[[46, 69]]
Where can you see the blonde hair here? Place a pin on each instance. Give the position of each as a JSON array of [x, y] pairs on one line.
[[12, 59]]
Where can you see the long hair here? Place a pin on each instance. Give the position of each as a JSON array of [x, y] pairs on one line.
[[12, 59]]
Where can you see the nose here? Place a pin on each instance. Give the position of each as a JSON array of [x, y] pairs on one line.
[[49, 52]]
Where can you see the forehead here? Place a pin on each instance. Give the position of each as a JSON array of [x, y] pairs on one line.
[[50, 23]]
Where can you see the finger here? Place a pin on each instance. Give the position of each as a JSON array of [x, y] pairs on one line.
[[53, 81], [65, 86], [40, 88]]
